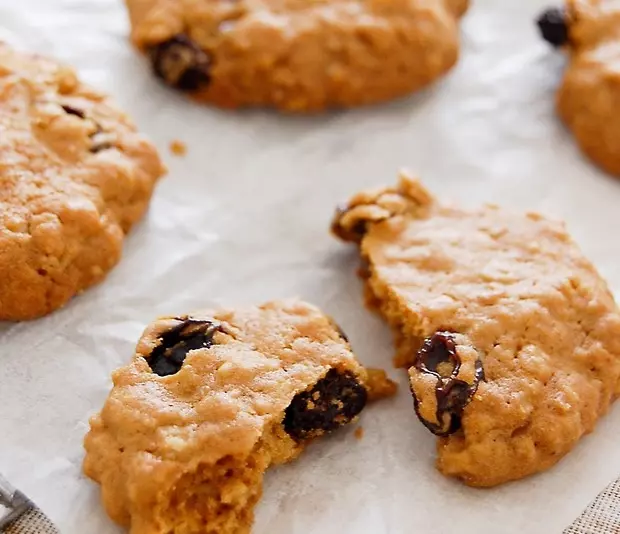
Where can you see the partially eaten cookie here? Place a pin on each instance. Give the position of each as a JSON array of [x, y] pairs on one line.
[[208, 403], [510, 336]]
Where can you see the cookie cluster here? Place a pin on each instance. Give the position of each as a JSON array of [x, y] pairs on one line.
[[509, 336]]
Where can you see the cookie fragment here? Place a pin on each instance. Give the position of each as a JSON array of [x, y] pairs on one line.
[[379, 385], [181, 63], [510, 336], [188, 453]]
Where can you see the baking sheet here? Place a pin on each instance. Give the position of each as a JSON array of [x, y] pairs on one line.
[[243, 218]]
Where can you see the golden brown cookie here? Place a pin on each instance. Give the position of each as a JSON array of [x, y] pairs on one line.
[[511, 337], [74, 177], [589, 97], [208, 403], [297, 55]]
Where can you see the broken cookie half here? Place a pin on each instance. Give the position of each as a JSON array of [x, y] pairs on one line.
[[208, 403], [511, 337]]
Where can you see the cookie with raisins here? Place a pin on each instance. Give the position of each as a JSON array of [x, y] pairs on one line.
[[510, 336], [294, 55], [208, 403], [588, 97], [75, 176]]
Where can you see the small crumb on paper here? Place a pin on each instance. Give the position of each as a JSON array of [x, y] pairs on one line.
[[359, 432], [178, 148], [379, 385]]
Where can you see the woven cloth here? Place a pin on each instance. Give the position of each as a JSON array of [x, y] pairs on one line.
[[602, 516], [18, 515], [32, 521]]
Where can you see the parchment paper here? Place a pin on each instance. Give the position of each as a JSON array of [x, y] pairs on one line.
[[243, 218]]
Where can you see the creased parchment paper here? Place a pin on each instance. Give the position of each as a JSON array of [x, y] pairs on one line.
[[243, 218]]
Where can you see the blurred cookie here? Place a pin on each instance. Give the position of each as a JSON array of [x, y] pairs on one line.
[[74, 177], [297, 55], [589, 96], [208, 403], [511, 337]]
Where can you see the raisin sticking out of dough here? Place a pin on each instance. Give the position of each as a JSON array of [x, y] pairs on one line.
[[100, 140], [181, 63], [553, 26], [439, 357], [70, 110], [174, 345], [354, 234], [334, 401]]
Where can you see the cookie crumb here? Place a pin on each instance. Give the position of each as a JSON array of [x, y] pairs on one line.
[[359, 432], [178, 148], [379, 385]]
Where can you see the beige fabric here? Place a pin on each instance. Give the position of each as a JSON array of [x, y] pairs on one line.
[[602, 516], [31, 522]]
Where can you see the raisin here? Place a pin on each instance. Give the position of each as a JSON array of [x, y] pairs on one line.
[[553, 26], [181, 63], [100, 140], [174, 345], [74, 111], [334, 401], [438, 354], [438, 357]]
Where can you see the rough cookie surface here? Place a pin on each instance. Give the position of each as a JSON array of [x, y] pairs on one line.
[[181, 448], [297, 55], [511, 337], [74, 177], [589, 97]]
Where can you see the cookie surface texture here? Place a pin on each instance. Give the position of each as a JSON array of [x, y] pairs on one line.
[[209, 401], [511, 337], [297, 55], [588, 100], [75, 176]]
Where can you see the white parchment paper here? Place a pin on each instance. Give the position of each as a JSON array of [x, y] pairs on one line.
[[243, 218]]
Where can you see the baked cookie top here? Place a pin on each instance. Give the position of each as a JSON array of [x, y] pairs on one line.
[[297, 55], [589, 96], [511, 337], [74, 177], [245, 388]]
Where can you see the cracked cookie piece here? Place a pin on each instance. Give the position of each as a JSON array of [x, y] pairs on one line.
[[511, 337], [208, 403], [297, 55], [74, 177], [589, 95]]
